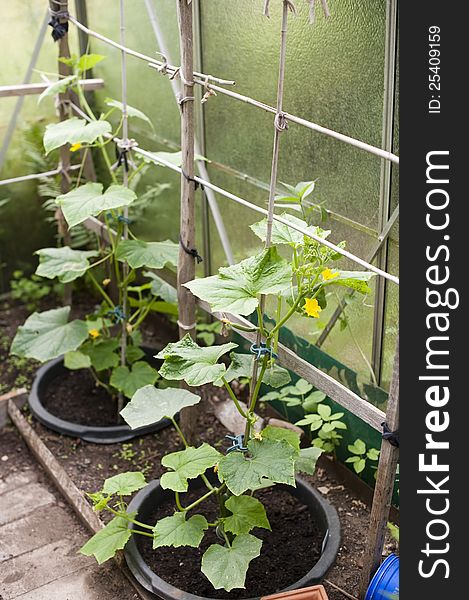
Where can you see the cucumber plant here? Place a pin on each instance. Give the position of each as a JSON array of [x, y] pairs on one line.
[[255, 459], [108, 341]]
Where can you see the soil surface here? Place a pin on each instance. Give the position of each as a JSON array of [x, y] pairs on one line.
[[288, 551], [89, 464], [74, 397]]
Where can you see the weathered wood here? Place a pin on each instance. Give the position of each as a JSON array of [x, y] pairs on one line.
[[18, 396], [54, 470], [33, 89], [384, 486], [186, 263]]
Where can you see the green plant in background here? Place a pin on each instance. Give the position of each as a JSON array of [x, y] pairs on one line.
[[31, 290], [394, 531], [108, 341], [361, 455], [322, 420], [255, 459]]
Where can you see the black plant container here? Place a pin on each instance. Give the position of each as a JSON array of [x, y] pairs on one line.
[[99, 435], [323, 513]]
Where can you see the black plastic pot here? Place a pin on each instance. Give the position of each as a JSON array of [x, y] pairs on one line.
[[111, 434], [323, 513]]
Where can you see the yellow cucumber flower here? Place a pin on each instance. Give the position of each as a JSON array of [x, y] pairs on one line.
[[312, 308], [75, 147], [328, 274], [94, 333]]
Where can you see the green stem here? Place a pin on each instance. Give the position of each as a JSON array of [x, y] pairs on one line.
[[126, 516], [143, 533], [178, 429], [101, 260], [234, 398], [255, 394], [260, 319], [201, 499], [144, 314], [178, 502], [82, 166], [100, 289]]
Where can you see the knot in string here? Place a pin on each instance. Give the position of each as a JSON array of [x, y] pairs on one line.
[[59, 29], [391, 436], [192, 251], [194, 181], [123, 148], [280, 122]]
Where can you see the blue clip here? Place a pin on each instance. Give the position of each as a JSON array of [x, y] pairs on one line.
[[262, 350], [117, 314], [123, 219], [238, 443]]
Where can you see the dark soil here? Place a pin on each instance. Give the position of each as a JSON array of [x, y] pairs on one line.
[[288, 552], [75, 397]]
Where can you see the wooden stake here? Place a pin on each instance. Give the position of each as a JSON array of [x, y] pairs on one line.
[[64, 98], [186, 264], [384, 486]]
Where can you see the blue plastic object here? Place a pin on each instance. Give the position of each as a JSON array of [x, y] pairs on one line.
[[385, 583]]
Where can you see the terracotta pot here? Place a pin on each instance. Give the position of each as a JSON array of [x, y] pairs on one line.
[[315, 592]]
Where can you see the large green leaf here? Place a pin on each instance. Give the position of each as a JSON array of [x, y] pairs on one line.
[[282, 434], [153, 255], [124, 484], [73, 131], [104, 544], [281, 233], [187, 464], [241, 366], [76, 360], [48, 334], [102, 353], [176, 531], [356, 280], [175, 158], [149, 405], [162, 289], [131, 111], [194, 364], [247, 513], [89, 201], [57, 87], [226, 568], [267, 459], [236, 289], [128, 381], [307, 459], [64, 263]]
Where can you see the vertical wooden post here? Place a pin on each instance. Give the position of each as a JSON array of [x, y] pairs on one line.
[[64, 112], [186, 264], [384, 485]]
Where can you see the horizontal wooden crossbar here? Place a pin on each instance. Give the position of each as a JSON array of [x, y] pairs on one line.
[[32, 89]]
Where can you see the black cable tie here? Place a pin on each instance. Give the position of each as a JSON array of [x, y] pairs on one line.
[[192, 251], [391, 436], [196, 183], [59, 30], [122, 159]]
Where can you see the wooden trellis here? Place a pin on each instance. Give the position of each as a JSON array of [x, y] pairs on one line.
[[186, 270]]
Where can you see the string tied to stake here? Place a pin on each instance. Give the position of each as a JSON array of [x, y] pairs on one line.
[[391, 436], [280, 122], [192, 251], [59, 27], [193, 180], [262, 350]]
